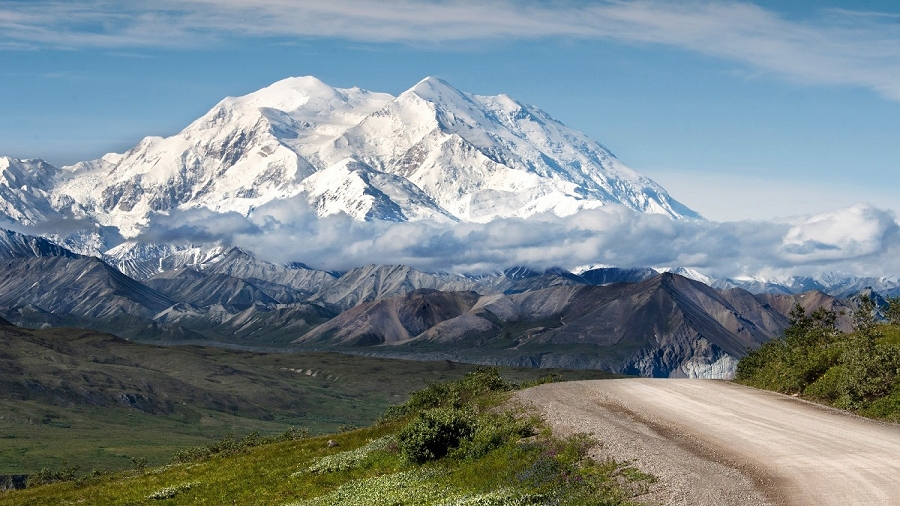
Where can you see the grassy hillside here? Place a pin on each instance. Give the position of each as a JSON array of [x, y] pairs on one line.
[[858, 371], [98, 401], [451, 444]]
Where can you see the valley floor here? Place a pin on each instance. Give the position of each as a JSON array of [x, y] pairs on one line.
[[718, 443]]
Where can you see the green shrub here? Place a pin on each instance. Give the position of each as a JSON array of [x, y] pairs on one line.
[[562, 470], [452, 393], [870, 371], [828, 387], [810, 346], [493, 430], [886, 408], [759, 359], [229, 445], [434, 432], [849, 371], [46, 475], [892, 313], [483, 380]]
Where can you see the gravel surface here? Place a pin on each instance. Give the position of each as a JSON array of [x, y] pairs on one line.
[[717, 443]]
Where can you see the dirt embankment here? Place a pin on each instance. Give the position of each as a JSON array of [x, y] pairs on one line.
[[717, 443]]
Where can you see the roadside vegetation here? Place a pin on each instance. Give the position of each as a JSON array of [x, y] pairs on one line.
[[857, 371], [78, 398], [453, 443]]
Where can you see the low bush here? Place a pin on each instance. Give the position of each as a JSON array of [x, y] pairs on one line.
[[170, 492], [451, 422], [852, 371], [435, 432], [493, 430], [457, 393], [229, 445], [46, 475]]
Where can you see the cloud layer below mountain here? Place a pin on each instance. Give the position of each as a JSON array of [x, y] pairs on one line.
[[859, 240]]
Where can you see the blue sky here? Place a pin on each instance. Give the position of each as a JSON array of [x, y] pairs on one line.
[[741, 110]]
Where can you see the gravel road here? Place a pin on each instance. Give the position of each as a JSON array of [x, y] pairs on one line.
[[717, 443]]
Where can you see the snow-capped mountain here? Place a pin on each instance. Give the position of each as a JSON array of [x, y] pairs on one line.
[[25, 190], [689, 273], [16, 245], [433, 152], [838, 285]]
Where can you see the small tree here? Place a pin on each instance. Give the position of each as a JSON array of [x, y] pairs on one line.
[[791, 363], [893, 310], [864, 318]]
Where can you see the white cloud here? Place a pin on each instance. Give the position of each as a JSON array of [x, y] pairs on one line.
[[198, 226], [860, 239], [853, 232], [834, 47]]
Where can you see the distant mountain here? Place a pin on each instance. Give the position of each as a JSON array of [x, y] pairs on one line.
[[392, 320], [16, 245], [203, 290], [40, 278], [633, 321], [25, 190], [376, 282], [841, 286], [297, 282], [610, 275], [433, 152], [301, 147], [667, 325], [286, 283], [83, 286], [144, 260]]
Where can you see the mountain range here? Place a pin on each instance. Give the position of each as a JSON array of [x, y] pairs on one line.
[[432, 154], [633, 321]]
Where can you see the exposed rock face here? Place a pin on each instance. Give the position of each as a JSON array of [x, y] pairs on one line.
[[376, 282], [83, 286], [202, 290], [810, 301], [667, 325], [24, 190], [16, 245], [610, 275], [392, 320], [664, 325]]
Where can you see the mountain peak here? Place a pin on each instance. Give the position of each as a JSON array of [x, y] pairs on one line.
[[434, 89], [288, 94], [16, 245], [433, 153], [433, 83]]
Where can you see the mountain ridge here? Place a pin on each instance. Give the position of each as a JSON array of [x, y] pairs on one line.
[[667, 325], [431, 153], [634, 321]]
